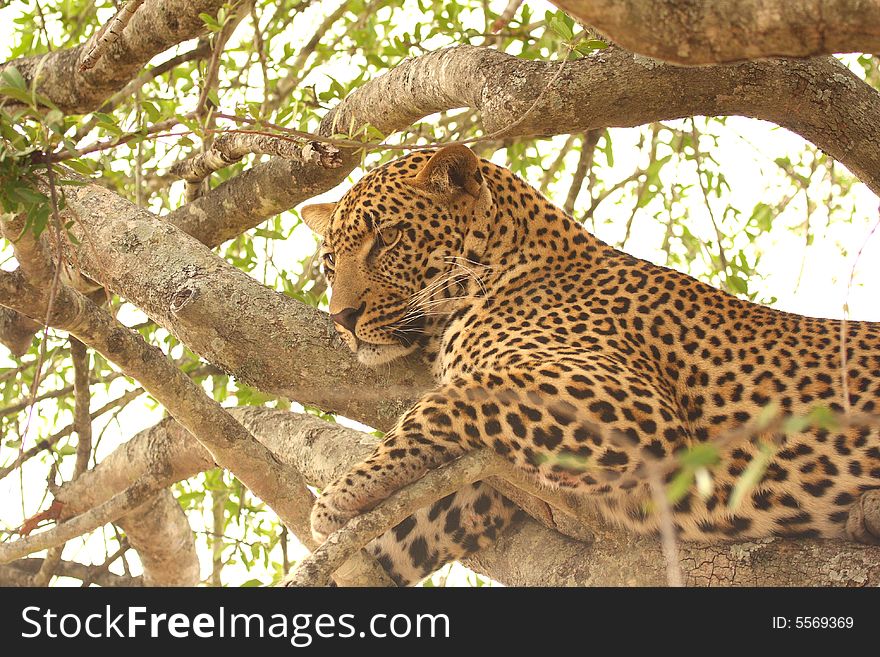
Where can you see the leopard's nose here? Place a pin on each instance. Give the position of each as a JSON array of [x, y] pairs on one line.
[[347, 318]]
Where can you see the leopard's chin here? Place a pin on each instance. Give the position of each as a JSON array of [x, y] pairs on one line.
[[374, 355]]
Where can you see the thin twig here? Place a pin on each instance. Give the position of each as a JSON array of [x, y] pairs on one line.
[[584, 165], [108, 35], [83, 424], [130, 498], [53, 290], [667, 527], [506, 16], [844, 374], [47, 443], [43, 25], [290, 81], [698, 160], [52, 394], [260, 48], [104, 567], [551, 171]]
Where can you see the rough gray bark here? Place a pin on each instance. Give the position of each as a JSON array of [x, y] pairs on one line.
[[527, 555], [693, 32], [230, 147], [245, 201], [160, 532], [156, 26], [531, 555], [108, 35], [16, 331]]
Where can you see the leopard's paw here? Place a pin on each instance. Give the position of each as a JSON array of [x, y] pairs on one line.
[[863, 523], [327, 518]]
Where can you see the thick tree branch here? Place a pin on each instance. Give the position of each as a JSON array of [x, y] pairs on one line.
[[529, 554], [245, 201], [156, 26], [16, 331], [819, 99], [717, 31], [160, 532]]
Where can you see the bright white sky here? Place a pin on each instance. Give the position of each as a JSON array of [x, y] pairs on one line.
[[746, 154]]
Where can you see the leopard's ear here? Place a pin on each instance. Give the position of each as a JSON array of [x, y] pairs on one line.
[[317, 216], [452, 170]]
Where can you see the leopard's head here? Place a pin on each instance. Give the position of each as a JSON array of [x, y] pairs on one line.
[[393, 243]]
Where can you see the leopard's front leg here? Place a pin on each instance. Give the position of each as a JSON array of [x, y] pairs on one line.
[[433, 432], [549, 421]]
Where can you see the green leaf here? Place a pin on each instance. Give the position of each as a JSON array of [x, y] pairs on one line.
[[700, 455], [13, 78], [752, 475], [679, 486], [558, 25], [80, 166], [151, 110], [737, 284], [27, 196], [210, 22], [20, 95]]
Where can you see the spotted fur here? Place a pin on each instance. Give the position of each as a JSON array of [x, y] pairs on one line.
[[577, 362]]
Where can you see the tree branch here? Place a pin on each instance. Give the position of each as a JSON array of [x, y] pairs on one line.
[[693, 32], [160, 532], [156, 26], [107, 35], [819, 99], [316, 569], [529, 554], [19, 573], [16, 331], [230, 147]]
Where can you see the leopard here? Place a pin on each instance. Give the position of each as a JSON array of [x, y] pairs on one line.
[[582, 366]]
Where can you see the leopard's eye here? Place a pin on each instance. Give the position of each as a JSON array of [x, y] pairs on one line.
[[329, 260], [388, 237]]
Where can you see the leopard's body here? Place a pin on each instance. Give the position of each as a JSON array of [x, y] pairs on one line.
[[580, 364]]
